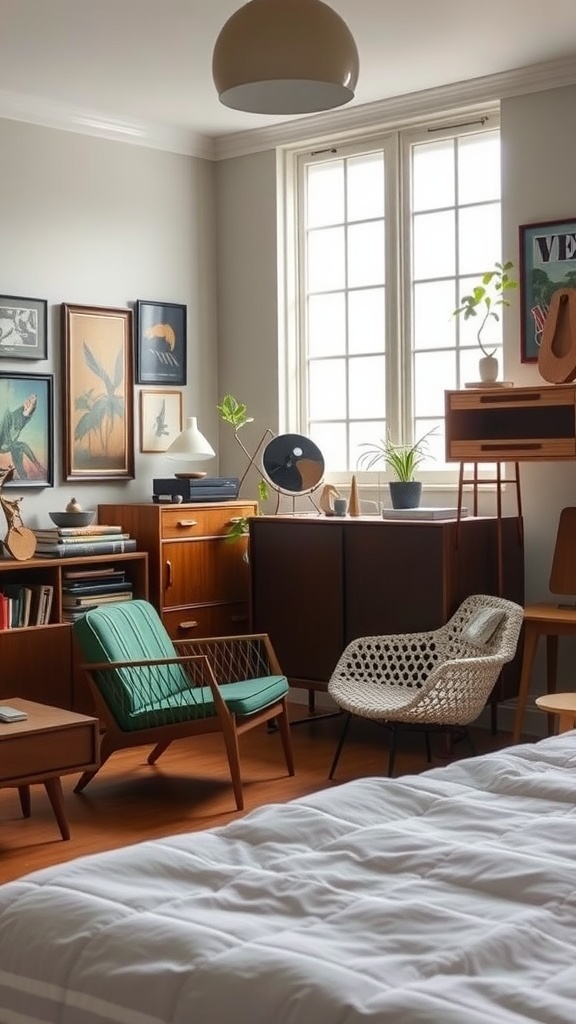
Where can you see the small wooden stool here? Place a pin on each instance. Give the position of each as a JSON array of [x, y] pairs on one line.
[[561, 704]]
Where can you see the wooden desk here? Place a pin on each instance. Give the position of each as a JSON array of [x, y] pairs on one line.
[[550, 621], [50, 743]]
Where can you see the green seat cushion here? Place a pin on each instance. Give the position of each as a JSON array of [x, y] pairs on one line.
[[243, 698]]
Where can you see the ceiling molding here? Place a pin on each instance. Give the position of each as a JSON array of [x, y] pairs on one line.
[[489, 89], [300, 130]]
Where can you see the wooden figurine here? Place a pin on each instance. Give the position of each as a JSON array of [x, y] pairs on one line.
[[20, 542], [354, 500]]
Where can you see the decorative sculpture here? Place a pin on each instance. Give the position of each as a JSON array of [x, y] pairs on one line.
[[19, 541]]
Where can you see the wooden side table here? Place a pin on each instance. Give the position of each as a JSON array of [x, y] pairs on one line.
[[561, 704], [50, 743], [551, 621]]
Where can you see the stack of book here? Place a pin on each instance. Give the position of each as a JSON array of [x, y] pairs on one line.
[[71, 541], [25, 605], [88, 588]]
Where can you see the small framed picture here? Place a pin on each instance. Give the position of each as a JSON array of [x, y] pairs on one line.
[[547, 262], [160, 343], [160, 419], [23, 328], [26, 428], [98, 393]]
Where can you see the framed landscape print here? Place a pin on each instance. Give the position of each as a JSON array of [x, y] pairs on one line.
[[160, 343], [98, 398], [26, 428], [23, 328], [547, 262], [160, 419]]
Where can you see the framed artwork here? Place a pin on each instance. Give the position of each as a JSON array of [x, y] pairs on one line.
[[160, 419], [26, 428], [23, 328], [547, 262], [98, 393], [160, 343]]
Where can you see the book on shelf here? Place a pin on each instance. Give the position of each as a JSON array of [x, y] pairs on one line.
[[82, 589], [54, 537], [93, 600], [423, 513], [107, 573], [78, 531], [103, 547], [22, 605]]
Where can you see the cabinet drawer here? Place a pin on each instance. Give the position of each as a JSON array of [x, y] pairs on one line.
[[183, 523], [512, 450], [58, 751], [207, 620]]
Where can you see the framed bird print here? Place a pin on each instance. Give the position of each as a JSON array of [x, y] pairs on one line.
[[26, 429], [160, 343], [160, 419], [98, 395]]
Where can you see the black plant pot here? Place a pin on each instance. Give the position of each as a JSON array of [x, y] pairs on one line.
[[405, 494]]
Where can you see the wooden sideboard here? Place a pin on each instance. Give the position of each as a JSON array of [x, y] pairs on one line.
[[198, 576], [318, 582]]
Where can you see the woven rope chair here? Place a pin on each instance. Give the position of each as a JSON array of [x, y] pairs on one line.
[[149, 689], [438, 679]]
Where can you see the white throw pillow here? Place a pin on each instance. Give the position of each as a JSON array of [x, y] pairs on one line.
[[482, 626]]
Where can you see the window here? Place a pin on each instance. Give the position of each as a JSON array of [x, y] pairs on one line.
[[390, 233]]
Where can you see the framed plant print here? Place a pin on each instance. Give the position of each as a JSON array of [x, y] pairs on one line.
[[26, 428], [160, 419], [160, 343], [98, 393], [547, 262], [23, 328]]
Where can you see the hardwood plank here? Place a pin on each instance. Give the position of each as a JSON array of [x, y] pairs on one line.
[[189, 788]]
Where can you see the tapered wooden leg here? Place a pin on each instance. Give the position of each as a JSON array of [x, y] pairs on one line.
[[54, 789], [24, 794], [531, 637], [233, 754], [158, 751], [285, 736]]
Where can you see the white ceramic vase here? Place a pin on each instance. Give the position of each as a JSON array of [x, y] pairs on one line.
[[488, 369]]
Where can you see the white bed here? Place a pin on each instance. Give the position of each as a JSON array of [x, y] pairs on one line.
[[445, 898]]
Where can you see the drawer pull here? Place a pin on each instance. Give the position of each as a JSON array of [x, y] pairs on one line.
[[168, 574], [188, 625], [183, 523], [238, 618], [515, 446]]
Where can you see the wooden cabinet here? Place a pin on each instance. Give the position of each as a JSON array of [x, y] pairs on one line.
[[318, 583], [511, 424], [38, 662], [198, 576]]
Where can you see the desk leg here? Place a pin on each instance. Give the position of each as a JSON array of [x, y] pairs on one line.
[[551, 674], [24, 794], [531, 637], [566, 721], [54, 789]]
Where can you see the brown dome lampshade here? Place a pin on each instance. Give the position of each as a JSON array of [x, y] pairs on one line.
[[285, 57]]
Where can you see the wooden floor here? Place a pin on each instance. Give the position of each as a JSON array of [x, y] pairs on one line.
[[189, 788]]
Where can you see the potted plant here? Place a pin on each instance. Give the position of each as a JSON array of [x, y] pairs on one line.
[[481, 301], [403, 460]]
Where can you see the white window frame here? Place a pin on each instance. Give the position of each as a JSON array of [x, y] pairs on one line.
[[396, 142]]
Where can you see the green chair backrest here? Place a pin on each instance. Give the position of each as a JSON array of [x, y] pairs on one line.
[[129, 631]]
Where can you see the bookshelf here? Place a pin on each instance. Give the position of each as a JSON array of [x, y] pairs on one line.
[[38, 663]]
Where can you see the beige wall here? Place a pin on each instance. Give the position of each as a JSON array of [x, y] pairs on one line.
[[95, 222]]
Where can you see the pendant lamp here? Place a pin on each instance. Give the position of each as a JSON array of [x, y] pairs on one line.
[[285, 57]]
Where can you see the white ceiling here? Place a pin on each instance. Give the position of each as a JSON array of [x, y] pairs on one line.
[[129, 63]]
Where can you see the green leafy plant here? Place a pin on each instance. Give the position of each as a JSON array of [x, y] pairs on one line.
[[485, 296], [403, 459], [236, 414]]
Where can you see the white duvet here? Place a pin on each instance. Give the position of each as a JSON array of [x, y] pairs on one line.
[[444, 898]]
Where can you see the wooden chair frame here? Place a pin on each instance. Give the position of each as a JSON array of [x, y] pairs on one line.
[[229, 724]]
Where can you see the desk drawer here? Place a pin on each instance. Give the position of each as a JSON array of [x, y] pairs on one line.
[[54, 752], [209, 620], [184, 523]]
